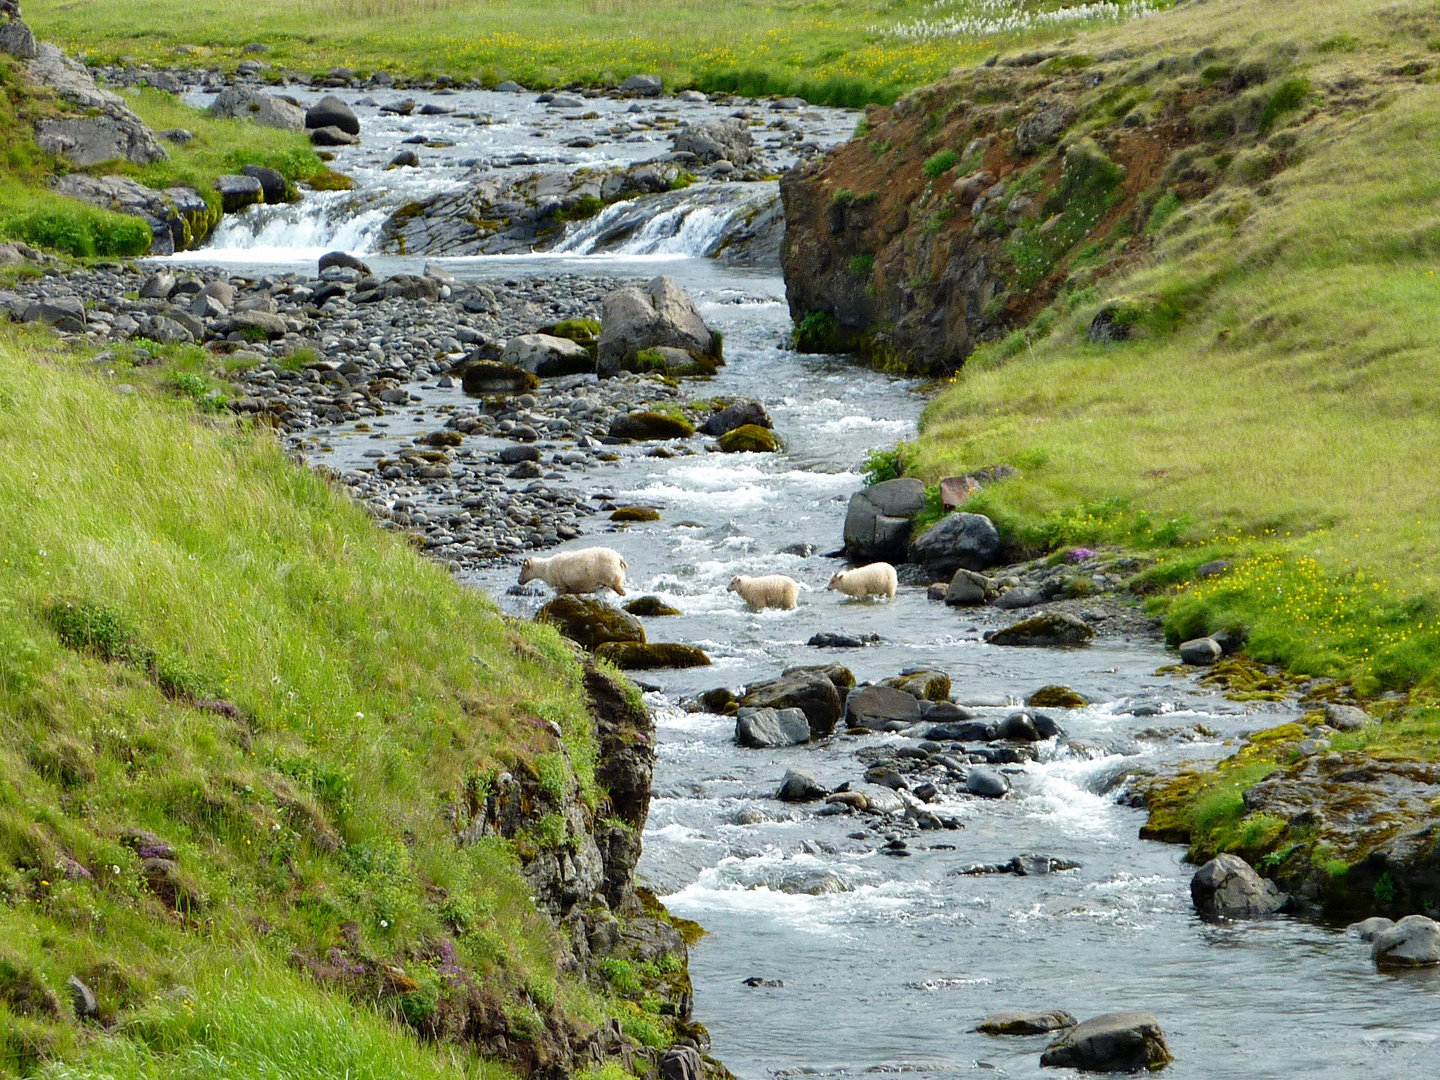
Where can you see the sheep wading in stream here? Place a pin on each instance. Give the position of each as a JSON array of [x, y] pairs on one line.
[[874, 579], [776, 590], [583, 571]]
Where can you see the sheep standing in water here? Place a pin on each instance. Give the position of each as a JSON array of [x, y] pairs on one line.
[[776, 590], [875, 579], [583, 571]]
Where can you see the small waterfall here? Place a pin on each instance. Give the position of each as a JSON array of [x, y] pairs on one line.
[[323, 221], [695, 222]]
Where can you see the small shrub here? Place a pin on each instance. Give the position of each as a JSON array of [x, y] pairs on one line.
[[862, 265], [619, 974], [1286, 98], [882, 465], [842, 197], [937, 165]]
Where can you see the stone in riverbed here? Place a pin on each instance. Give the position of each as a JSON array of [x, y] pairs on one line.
[[987, 783], [1055, 697], [272, 182], [737, 415], [647, 426], [813, 694], [590, 623], [332, 136], [1226, 887], [642, 85], [1371, 928], [842, 641], [1026, 1023], [238, 192], [963, 731], [1200, 651], [1412, 942], [957, 541], [798, 786], [968, 588], [650, 607], [242, 103], [762, 729], [641, 656], [1051, 628], [877, 522], [547, 356], [486, 377], [1113, 1042], [343, 259], [657, 315], [749, 439], [873, 707], [713, 140], [924, 684], [330, 111]]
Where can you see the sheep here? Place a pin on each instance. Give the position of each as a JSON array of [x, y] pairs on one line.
[[874, 579], [582, 571], [776, 590]]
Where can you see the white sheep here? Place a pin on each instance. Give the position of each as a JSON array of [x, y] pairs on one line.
[[582, 571], [776, 590], [874, 579]]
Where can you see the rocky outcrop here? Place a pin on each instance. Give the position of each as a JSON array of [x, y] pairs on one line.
[[960, 212], [179, 217], [958, 541], [107, 130], [717, 140], [877, 523]]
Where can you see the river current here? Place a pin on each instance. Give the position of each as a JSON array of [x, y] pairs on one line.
[[892, 973]]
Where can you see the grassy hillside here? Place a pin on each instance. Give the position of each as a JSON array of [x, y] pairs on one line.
[[238, 728], [840, 51], [31, 212], [1276, 404]]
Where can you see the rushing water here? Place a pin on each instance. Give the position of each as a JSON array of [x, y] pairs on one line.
[[893, 973]]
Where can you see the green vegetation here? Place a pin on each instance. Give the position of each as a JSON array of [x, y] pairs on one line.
[[1274, 403], [938, 164], [843, 52], [239, 728]]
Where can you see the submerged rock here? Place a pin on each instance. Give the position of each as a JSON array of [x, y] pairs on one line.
[[650, 607], [1113, 1042], [639, 655], [649, 426], [749, 439], [1227, 887], [590, 623], [1026, 1023], [798, 786], [1056, 697], [1051, 628]]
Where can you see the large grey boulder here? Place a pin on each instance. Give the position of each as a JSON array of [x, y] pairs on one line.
[[811, 692], [243, 103], [70, 80], [957, 541], [763, 729], [658, 314], [330, 111], [643, 85], [238, 192], [17, 40], [1226, 887], [714, 140], [968, 588], [681, 1063], [543, 355], [1371, 928], [93, 140], [1200, 651], [1113, 1042], [987, 783], [1345, 717], [874, 707], [877, 523], [1412, 942], [272, 182]]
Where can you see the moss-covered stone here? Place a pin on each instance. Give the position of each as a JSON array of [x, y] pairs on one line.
[[582, 330], [749, 439], [1051, 628], [924, 685], [485, 377], [651, 607], [589, 623], [634, 656], [1055, 697], [635, 513], [647, 426]]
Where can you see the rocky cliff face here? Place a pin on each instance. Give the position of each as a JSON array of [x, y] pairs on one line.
[[959, 214]]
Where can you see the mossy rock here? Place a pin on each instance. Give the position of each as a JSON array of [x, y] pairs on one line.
[[589, 623], [491, 377], [651, 607], [635, 513], [647, 426], [750, 439], [583, 331], [922, 685], [670, 361], [1051, 628], [634, 656], [721, 700], [1055, 697]]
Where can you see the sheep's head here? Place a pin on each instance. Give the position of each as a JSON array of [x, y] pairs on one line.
[[734, 585], [527, 571], [834, 581]]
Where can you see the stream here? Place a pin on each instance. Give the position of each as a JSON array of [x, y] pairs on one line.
[[892, 973]]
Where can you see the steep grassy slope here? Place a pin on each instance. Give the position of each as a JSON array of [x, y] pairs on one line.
[[844, 52], [241, 731], [1274, 403]]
